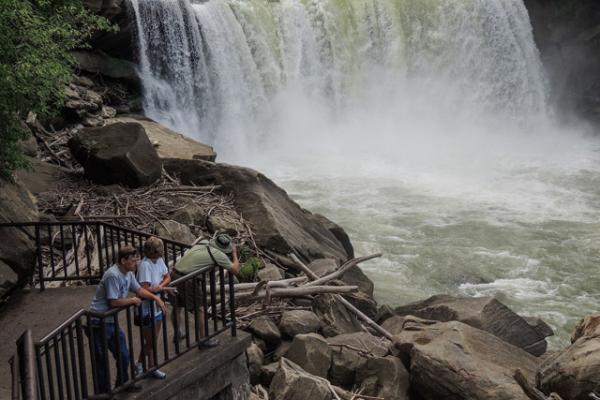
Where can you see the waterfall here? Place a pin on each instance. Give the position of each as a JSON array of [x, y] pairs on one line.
[[225, 71]]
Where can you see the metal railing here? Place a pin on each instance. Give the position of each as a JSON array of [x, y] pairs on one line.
[[72, 362], [83, 250]]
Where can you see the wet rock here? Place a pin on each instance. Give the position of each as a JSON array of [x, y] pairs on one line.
[[97, 63], [311, 352], [334, 316], [454, 360], [117, 153], [270, 272], [296, 322], [339, 233], [484, 313], [255, 358], [265, 329], [356, 277], [384, 377], [175, 231], [280, 225], [575, 371], [291, 382]]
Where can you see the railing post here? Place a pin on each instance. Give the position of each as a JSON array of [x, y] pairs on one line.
[[232, 305], [40, 262], [99, 240], [26, 364]]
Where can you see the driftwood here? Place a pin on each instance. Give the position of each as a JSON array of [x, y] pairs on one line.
[[531, 391], [341, 271], [349, 306], [302, 291]]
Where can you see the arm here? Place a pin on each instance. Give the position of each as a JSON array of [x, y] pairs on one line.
[[146, 294], [166, 279], [235, 264], [124, 302]]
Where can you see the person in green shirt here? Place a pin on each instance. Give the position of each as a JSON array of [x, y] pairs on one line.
[[216, 251]]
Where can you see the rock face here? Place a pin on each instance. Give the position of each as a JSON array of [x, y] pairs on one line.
[[384, 377], [296, 322], [118, 153], [168, 143], [484, 313], [97, 63], [452, 360], [279, 223], [336, 318], [17, 247], [575, 371], [291, 382], [311, 352]]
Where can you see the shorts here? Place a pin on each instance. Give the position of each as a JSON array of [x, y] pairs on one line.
[[185, 293], [147, 320]]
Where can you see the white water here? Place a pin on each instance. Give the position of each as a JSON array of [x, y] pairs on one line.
[[421, 126]]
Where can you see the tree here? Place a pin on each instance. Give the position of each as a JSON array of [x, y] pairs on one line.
[[35, 65]]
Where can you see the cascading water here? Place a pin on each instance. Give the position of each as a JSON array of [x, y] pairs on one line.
[[423, 125]]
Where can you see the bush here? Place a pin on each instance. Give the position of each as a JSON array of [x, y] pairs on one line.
[[35, 37]]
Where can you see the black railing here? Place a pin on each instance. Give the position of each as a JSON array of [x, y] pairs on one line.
[[72, 361], [83, 250]]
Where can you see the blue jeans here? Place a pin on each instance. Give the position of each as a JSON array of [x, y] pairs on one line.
[[101, 362]]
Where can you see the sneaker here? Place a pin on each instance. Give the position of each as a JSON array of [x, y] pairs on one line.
[[210, 343], [158, 374], [139, 368]]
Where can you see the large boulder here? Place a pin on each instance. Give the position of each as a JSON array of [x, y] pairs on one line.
[[311, 352], [452, 360], [42, 177], [270, 272], [99, 63], [118, 153], [485, 313], [168, 143], [17, 246], [291, 382], [255, 359], [264, 328], [174, 230], [279, 224], [335, 316], [350, 352], [384, 377], [575, 371], [296, 322]]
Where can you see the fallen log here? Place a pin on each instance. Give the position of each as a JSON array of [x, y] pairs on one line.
[[302, 291], [531, 391], [342, 270]]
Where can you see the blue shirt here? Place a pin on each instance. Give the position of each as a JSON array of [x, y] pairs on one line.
[[152, 273], [114, 285]]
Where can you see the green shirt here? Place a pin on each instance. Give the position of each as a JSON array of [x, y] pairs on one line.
[[197, 257]]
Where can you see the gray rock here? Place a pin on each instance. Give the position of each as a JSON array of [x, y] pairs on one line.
[[220, 224], [334, 316], [384, 377], [296, 322], [270, 272], [17, 247], [356, 277], [484, 313], [30, 146], [255, 358], [363, 302], [83, 81], [174, 230], [323, 266], [267, 372], [8, 279], [97, 63], [311, 352], [291, 382], [394, 325], [452, 360], [117, 153], [265, 329], [279, 224], [384, 312], [281, 350], [42, 177], [540, 326], [190, 215], [574, 372], [339, 233]]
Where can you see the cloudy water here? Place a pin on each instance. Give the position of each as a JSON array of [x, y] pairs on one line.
[[420, 126]]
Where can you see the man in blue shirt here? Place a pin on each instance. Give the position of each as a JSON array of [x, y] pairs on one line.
[[112, 292]]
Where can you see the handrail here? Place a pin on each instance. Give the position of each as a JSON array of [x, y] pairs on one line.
[[130, 230], [76, 315]]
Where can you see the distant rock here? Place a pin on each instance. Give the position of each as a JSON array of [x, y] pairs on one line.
[[452, 360], [279, 224], [168, 143], [574, 372], [118, 153], [484, 313]]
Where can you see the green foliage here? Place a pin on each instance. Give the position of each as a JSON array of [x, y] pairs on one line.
[[249, 269], [35, 37]]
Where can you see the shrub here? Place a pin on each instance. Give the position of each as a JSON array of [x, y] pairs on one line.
[[35, 38]]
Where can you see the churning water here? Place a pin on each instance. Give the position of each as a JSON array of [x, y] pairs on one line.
[[421, 126]]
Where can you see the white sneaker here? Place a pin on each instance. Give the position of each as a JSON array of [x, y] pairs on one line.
[[139, 368], [158, 374]]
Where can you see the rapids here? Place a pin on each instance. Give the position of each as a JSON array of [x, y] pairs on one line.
[[423, 127]]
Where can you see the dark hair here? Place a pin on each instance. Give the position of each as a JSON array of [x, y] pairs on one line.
[[126, 252]]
